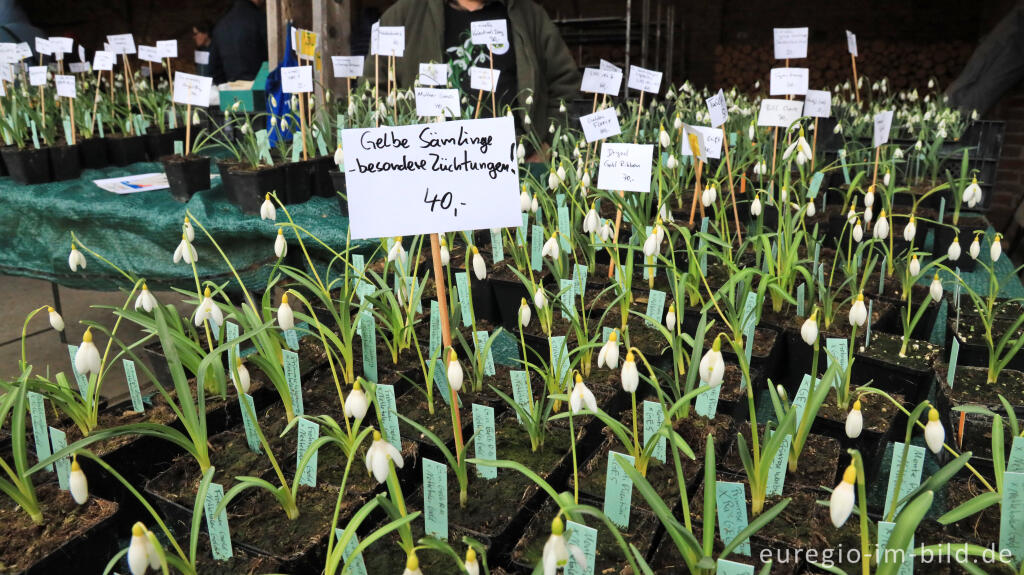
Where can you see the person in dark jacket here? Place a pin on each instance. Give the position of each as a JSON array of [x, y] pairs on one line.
[[202, 39], [239, 45]]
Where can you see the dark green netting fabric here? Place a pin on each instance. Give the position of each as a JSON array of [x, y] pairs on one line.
[[139, 232]]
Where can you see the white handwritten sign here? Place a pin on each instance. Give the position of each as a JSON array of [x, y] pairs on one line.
[[103, 61], [711, 140], [167, 48], [387, 40], [790, 43], [121, 43], [483, 79], [43, 46], [625, 167], [600, 125], [601, 81], [37, 75], [779, 113], [347, 66], [883, 123], [78, 67], [65, 86], [789, 81], [149, 53], [818, 103], [192, 89], [432, 178], [202, 57], [437, 102], [62, 45], [433, 74], [608, 66], [718, 109], [8, 53], [851, 43], [489, 32], [644, 80], [297, 79]]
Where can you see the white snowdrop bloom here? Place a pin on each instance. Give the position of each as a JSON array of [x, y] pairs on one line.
[[77, 482], [911, 230], [934, 434], [750, 132], [154, 557], [188, 230], [87, 359], [379, 455], [280, 244], [525, 201], [472, 564], [606, 231], [869, 197], [267, 210], [479, 265], [551, 249], [397, 252], [840, 505], [454, 371], [243, 381], [446, 255], [811, 210], [708, 195], [56, 322], [664, 139], [76, 259], [582, 397], [524, 313], [712, 365], [670, 317], [915, 266], [527, 122], [591, 222], [809, 329], [783, 195], [671, 163], [586, 179], [552, 180], [858, 232], [677, 124], [881, 226], [529, 100], [886, 178], [540, 301], [208, 310], [185, 252], [630, 374], [851, 216], [897, 154], [997, 248], [954, 250], [838, 129], [931, 83], [858, 312], [138, 550], [755, 206], [521, 153], [551, 129], [560, 172], [285, 315], [609, 354], [557, 550], [868, 214], [975, 249], [918, 145], [356, 404], [651, 244], [854, 421], [339, 157]]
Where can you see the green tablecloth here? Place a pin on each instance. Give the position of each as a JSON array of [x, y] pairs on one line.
[[139, 232]]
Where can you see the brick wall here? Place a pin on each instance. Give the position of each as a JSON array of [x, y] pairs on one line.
[[1010, 176]]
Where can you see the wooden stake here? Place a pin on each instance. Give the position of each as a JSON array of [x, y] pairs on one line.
[[170, 84], [856, 85], [622, 194], [874, 178], [302, 124], [188, 129], [393, 73], [446, 331], [128, 93], [732, 189], [95, 101], [814, 143], [494, 90], [775, 147], [697, 191]]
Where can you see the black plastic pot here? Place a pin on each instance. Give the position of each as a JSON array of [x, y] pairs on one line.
[[323, 186], [89, 552], [65, 163], [967, 227], [28, 165], [298, 182], [187, 175], [126, 150], [249, 187], [508, 296], [3, 167], [160, 144], [93, 153], [339, 186]]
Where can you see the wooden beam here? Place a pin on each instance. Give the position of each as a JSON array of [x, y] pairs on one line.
[[332, 20], [275, 30]]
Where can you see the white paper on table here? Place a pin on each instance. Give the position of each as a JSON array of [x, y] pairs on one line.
[[192, 89], [433, 74], [625, 167], [297, 79], [483, 79], [883, 124], [789, 81], [851, 43], [37, 75], [437, 102], [134, 184], [167, 48], [202, 57], [598, 81], [103, 61], [149, 53], [718, 109], [347, 66], [489, 32], [779, 113], [65, 86], [121, 43], [710, 140], [790, 43], [600, 125], [818, 103], [644, 79]]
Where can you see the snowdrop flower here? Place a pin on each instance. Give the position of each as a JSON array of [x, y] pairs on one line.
[[609, 354], [755, 206], [540, 301], [886, 178], [356, 404], [671, 163], [138, 550], [811, 210], [802, 149], [840, 505], [915, 266], [56, 322], [858, 312], [630, 375], [397, 252], [524, 313], [858, 232], [77, 482], [582, 397], [651, 244], [552, 180], [911, 230], [521, 153], [76, 259], [591, 221], [670, 317], [663, 138], [869, 197], [185, 252], [379, 455], [446, 256], [339, 157], [527, 122], [934, 434], [87, 359], [809, 330], [881, 226], [761, 168], [560, 172], [557, 550], [997, 248], [708, 196], [851, 215], [975, 248], [525, 200], [479, 265], [267, 210], [783, 195], [972, 193], [280, 244], [243, 380], [606, 231], [472, 565], [285, 315], [550, 249], [838, 129], [208, 310], [897, 154], [188, 230], [677, 124], [750, 134], [586, 179], [454, 371], [854, 421], [712, 365], [954, 250]]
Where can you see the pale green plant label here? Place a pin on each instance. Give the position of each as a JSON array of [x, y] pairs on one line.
[[618, 489], [585, 538], [484, 442], [655, 307], [567, 294], [732, 513], [308, 432], [497, 248], [435, 328], [465, 301], [726, 567], [217, 525], [356, 565], [37, 412], [387, 408], [954, 353], [1011, 525], [292, 375], [369, 340], [1015, 464], [884, 554], [59, 440], [481, 342], [706, 404], [521, 391], [83, 382], [654, 418], [536, 244], [133, 385], [435, 498], [252, 438], [778, 467], [911, 474]]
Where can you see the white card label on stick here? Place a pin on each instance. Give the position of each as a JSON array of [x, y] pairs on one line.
[[625, 167], [348, 66], [149, 54], [432, 178], [709, 139], [297, 79], [883, 123], [600, 125], [78, 67], [790, 43], [65, 86], [103, 61], [644, 80], [62, 45], [718, 109], [789, 81], [388, 41], [167, 48], [433, 74], [43, 46], [437, 102], [202, 57], [851, 43], [192, 90], [601, 81], [489, 32], [483, 79], [37, 75], [608, 66], [818, 103], [121, 43], [779, 113]]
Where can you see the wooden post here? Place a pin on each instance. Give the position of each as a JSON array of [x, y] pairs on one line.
[[494, 87], [71, 108], [622, 194], [446, 331], [732, 189], [170, 86], [302, 124], [856, 85], [95, 101], [696, 190], [188, 129], [128, 93], [814, 143]]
